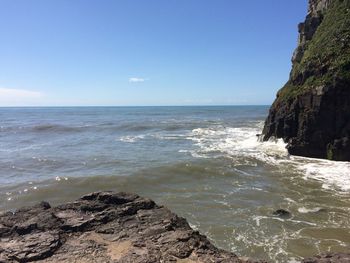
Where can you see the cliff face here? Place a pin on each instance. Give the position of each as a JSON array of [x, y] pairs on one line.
[[312, 111]]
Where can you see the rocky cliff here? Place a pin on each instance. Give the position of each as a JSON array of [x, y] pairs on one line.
[[312, 111]]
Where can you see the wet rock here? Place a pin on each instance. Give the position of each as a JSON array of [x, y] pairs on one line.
[[112, 227], [104, 227], [329, 258], [282, 213]]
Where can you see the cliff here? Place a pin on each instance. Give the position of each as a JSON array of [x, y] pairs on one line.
[[312, 111]]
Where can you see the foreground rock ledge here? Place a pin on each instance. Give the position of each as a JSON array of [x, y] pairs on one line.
[[109, 227], [104, 227]]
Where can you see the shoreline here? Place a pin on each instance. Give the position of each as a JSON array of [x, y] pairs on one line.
[[111, 227]]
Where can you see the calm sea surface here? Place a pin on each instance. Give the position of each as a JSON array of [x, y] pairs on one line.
[[204, 163]]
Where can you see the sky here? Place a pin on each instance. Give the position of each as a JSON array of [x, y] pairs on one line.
[[145, 52]]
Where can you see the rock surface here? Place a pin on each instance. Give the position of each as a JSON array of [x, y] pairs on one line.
[[312, 111], [111, 227], [104, 227], [282, 213], [329, 258]]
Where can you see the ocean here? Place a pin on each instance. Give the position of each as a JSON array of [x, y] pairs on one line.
[[204, 163]]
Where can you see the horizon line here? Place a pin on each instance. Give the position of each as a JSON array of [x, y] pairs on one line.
[[110, 106]]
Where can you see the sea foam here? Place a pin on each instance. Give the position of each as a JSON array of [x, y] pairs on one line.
[[242, 144]]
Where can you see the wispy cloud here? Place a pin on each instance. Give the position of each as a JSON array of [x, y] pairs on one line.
[[9, 97], [136, 79]]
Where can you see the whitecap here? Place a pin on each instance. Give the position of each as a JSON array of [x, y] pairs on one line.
[[131, 139], [237, 142], [305, 210], [330, 173], [242, 145]]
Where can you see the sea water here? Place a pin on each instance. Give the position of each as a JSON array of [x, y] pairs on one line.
[[204, 163]]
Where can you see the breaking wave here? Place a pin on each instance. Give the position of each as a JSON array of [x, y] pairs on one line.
[[242, 145]]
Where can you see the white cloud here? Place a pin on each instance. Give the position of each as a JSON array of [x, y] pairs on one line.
[[18, 97], [135, 79]]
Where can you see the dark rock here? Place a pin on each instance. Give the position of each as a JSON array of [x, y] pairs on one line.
[[312, 111], [282, 213], [30, 247], [104, 227], [329, 258], [112, 227], [26, 227]]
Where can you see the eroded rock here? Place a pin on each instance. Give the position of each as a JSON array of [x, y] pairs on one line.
[[104, 227], [112, 227], [329, 258], [29, 247]]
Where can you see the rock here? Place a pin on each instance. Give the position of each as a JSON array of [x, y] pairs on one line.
[[112, 227], [30, 247], [329, 258], [282, 213], [104, 227], [312, 111]]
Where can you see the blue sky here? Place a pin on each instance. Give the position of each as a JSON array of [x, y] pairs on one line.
[[145, 52]]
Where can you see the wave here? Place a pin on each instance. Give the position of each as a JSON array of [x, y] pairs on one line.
[[151, 126], [330, 173], [305, 210], [237, 143], [154, 135], [55, 128], [41, 128], [243, 147], [134, 127], [131, 139]]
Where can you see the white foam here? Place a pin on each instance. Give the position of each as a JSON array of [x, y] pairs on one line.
[[243, 142], [57, 178], [131, 139], [305, 210], [257, 220], [330, 173], [237, 142], [289, 200], [293, 260]]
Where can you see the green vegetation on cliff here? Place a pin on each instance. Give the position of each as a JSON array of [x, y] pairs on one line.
[[326, 56]]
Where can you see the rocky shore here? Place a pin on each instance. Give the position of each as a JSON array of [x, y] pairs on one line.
[[104, 227], [110, 227]]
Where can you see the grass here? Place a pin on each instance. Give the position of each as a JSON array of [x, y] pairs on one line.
[[326, 56]]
